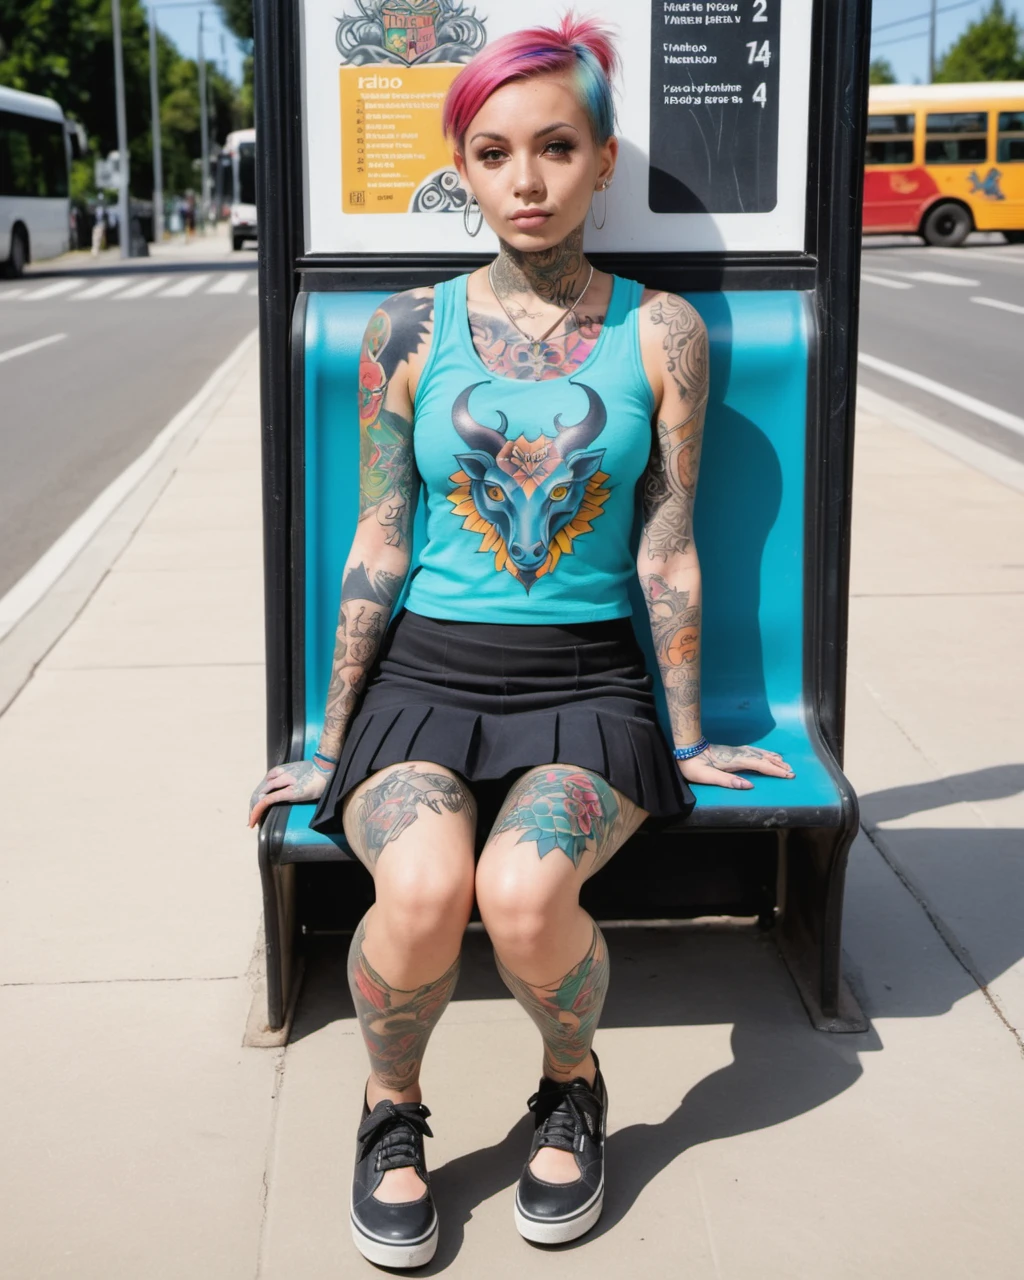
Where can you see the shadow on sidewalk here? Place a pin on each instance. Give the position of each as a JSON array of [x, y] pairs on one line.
[[781, 1068]]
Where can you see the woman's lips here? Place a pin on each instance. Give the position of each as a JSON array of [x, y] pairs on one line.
[[530, 221]]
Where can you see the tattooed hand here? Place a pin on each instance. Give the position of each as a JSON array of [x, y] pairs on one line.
[[718, 766], [299, 782]]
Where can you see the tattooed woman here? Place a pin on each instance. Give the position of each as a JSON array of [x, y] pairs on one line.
[[537, 402]]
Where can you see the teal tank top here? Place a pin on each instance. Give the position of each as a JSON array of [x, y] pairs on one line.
[[531, 487]]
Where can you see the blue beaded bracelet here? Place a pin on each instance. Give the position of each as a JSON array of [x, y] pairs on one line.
[[695, 749]]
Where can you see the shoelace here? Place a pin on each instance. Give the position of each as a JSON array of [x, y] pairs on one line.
[[560, 1118], [399, 1132]]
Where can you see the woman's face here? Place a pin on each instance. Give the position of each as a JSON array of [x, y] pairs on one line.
[[530, 159]]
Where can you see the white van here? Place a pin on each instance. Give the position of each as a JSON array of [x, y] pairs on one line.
[[238, 161], [35, 157]]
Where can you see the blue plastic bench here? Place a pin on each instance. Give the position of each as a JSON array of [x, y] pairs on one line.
[[753, 533]]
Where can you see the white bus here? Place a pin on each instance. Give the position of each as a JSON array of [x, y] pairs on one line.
[[238, 183], [35, 156]]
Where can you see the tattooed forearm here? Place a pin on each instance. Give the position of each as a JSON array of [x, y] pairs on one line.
[[389, 808], [362, 620], [396, 1024], [563, 808], [675, 629], [567, 1010], [669, 488]]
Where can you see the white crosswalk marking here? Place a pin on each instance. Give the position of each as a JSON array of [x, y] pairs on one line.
[[232, 283], [184, 287], [940, 277], [100, 290], [7, 294], [888, 284], [1001, 306], [149, 285], [52, 290]]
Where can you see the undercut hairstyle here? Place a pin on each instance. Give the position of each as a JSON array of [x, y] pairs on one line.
[[582, 47]]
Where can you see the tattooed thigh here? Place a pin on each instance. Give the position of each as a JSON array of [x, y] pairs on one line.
[[567, 812], [404, 798]]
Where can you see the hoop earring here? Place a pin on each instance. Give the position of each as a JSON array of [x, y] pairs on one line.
[[603, 190], [467, 208]]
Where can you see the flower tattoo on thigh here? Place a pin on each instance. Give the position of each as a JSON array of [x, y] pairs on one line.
[[560, 808]]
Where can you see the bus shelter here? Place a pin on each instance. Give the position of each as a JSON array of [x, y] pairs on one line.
[[739, 185]]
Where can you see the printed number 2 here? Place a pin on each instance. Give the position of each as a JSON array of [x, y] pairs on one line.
[[762, 55], [759, 11], [761, 94]]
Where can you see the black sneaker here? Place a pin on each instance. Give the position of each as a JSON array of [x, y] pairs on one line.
[[570, 1117], [392, 1235]]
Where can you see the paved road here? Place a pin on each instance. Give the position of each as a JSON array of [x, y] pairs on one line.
[[955, 316], [137, 342]]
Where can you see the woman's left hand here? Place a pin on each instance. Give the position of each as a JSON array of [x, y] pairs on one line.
[[718, 766]]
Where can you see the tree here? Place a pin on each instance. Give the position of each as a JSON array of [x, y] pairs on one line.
[[882, 71], [992, 48], [238, 18], [64, 50]]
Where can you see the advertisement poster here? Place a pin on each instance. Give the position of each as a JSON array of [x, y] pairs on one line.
[[713, 135]]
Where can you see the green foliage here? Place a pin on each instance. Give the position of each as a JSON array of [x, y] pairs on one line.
[[238, 18], [63, 49], [882, 71], [992, 48]]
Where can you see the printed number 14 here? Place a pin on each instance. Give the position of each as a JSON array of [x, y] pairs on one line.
[[762, 55]]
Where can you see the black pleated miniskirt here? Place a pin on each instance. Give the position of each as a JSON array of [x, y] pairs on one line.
[[490, 700]]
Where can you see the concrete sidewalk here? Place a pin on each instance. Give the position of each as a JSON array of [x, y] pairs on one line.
[[142, 1142]]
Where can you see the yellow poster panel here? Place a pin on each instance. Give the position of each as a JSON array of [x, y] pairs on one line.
[[391, 139]]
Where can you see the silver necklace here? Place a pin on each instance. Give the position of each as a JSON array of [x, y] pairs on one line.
[[536, 343]]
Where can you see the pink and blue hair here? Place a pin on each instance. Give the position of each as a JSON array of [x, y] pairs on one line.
[[580, 47]]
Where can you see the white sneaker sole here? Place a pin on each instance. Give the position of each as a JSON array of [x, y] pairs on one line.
[[559, 1231], [395, 1255]]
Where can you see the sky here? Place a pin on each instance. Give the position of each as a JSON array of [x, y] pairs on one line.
[[906, 45], [180, 21]]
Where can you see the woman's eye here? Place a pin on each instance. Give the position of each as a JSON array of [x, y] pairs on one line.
[[491, 154], [559, 147]]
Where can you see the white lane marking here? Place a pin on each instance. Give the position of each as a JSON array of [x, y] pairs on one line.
[[104, 287], [988, 411], [31, 346], [140, 290], [888, 284], [940, 277], [16, 292], [230, 283], [1001, 306], [965, 255], [184, 287], [30, 589], [52, 290]]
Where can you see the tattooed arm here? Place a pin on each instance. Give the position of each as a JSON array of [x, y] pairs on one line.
[[394, 348], [675, 352]]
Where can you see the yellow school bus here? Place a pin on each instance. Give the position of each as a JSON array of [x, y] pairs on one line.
[[944, 160]]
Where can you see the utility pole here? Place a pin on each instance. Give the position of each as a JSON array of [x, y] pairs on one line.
[[931, 43], [204, 128], [124, 232], [158, 158]]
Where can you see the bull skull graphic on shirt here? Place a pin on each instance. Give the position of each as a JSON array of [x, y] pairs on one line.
[[529, 498]]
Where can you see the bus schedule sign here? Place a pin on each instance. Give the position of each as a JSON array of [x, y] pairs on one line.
[[714, 121], [700, 104]]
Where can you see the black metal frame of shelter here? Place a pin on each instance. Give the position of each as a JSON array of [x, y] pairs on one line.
[[808, 849]]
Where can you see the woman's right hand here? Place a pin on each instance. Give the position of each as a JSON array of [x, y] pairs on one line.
[[299, 782]]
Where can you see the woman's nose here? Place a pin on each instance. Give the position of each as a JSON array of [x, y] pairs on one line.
[[526, 179]]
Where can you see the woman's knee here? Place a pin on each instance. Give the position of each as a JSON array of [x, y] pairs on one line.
[[422, 897], [520, 902]]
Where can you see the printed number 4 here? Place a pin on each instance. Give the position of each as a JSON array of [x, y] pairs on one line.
[[761, 94], [759, 11], [762, 55]]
